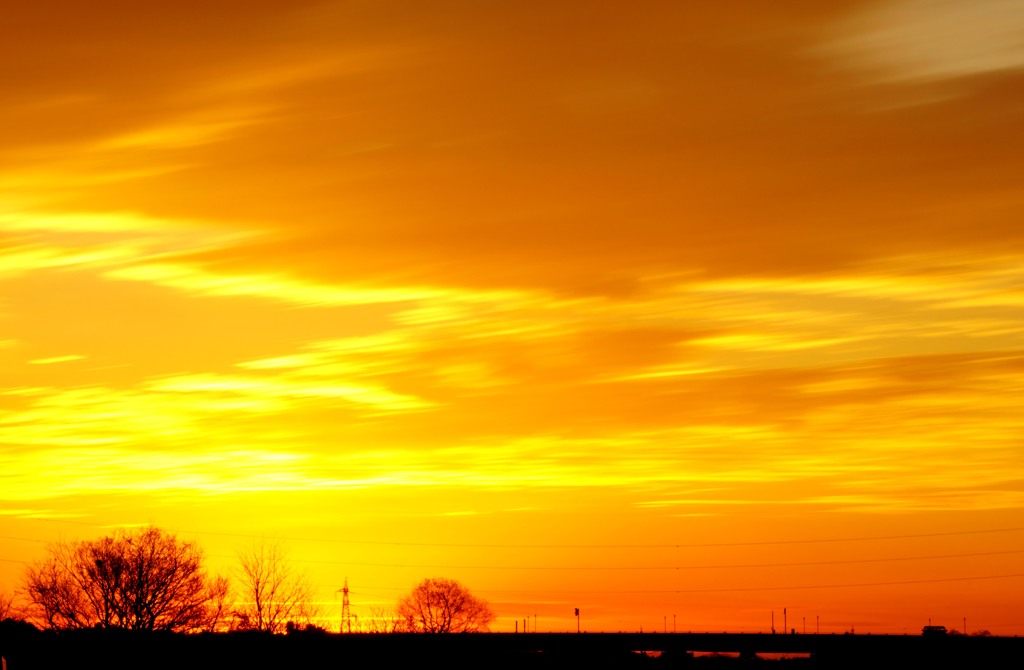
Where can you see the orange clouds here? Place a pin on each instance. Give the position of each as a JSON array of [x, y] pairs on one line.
[[494, 286]]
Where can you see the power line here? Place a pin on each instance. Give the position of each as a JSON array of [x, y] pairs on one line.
[[399, 543], [851, 586], [745, 589], [724, 566], [620, 568], [625, 568], [456, 545], [21, 539]]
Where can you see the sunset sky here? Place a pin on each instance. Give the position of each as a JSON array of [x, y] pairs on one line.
[[662, 310]]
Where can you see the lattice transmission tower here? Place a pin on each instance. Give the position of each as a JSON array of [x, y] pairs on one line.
[[346, 613]]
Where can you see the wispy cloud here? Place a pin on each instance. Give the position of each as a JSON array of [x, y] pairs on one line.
[[273, 286], [922, 39], [221, 386], [56, 359]]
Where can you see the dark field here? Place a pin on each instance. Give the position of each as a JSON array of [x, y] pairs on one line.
[[25, 648]]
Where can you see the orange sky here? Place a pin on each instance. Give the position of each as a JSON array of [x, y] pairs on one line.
[[658, 310]]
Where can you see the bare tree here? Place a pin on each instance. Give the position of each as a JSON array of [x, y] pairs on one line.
[[443, 606], [8, 607], [272, 594], [381, 620], [144, 579], [218, 605]]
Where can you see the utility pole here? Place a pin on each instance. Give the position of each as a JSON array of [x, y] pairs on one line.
[[577, 619]]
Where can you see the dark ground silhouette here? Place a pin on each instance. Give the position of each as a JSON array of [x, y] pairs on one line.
[[26, 648]]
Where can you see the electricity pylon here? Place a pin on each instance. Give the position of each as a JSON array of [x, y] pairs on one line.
[[346, 614]]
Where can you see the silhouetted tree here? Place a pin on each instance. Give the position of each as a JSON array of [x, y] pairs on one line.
[[272, 594], [443, 606], [8, 608], [143, 579], [381, 620], [218, 605]]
